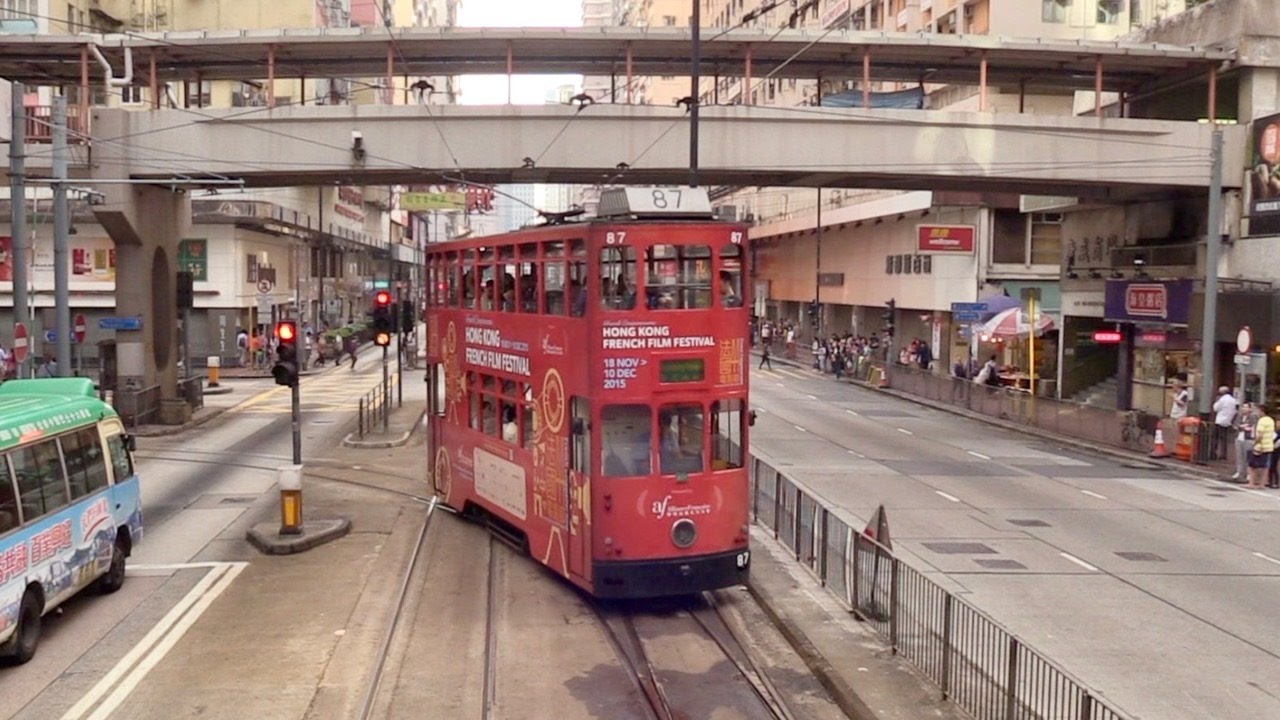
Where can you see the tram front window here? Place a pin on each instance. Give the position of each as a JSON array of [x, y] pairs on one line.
[[625, 435], [680, 427]]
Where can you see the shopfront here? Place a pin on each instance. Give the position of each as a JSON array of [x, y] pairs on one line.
[[1156, 349]]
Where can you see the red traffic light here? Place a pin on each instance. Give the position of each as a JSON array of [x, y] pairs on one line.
[[286, 331], [382, 298]]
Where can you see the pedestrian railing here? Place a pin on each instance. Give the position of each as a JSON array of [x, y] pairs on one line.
[[979, 665], [375, 409], [1097, 425], [192, 390], [137, 406]]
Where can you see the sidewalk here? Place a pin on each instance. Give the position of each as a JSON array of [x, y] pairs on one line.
[[1216, 469]]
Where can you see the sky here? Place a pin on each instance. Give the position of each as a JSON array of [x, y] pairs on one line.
[[525, 89]]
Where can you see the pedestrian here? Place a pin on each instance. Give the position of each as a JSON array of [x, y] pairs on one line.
[[1178, 409], [1264, 443], [5, 356], [242, 346], [49, 369], [1224, 409], [1244, 424], [764, 357], [351, 348]]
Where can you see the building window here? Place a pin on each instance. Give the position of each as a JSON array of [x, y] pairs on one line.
[[669, 20], [1108, 12], [1045, 244], [1054, 11], [133, 94], [1135, 12]]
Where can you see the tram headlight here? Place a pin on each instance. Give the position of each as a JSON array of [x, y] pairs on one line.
[[684, 532]]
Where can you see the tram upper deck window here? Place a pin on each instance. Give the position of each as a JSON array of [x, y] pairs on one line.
[[527, 288], [618, 278], [625, 440], [454, 281], [680, 427], [678, 277], [469, 280], [731, 276], [578, 288], [553, 284]]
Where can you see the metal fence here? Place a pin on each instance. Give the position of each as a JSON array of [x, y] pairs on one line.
[[192, 390], [1127, 429], [375, 408], [137, 406], [980, 666]]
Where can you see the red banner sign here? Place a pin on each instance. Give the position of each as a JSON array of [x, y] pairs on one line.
[[945, 238], [1147, 300], [1107, 337]]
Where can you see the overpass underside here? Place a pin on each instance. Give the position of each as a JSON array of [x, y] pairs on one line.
[[1104, 158]]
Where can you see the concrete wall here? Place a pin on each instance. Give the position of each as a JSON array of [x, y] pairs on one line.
[[1251, 26]]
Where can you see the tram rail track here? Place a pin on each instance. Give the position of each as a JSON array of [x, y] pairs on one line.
[[666, 697]]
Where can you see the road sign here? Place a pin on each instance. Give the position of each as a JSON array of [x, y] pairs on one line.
[[51, 336], [128, 322], [1244, 340], [965, 316], [265, 286], [78, 328], [1242, 359], [20, 342], [973, 307]]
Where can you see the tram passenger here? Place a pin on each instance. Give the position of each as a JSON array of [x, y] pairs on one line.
[[627, 295], [509, 293], [529, 292], [729, 296], [510, 432]]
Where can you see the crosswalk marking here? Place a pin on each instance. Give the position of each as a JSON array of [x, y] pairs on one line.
[[328, 392]]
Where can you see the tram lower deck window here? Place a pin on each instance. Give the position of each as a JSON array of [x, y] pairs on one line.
[[681, 427], [625, 440]]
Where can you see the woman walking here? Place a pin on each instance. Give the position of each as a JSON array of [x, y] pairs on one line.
[[1264, 443]]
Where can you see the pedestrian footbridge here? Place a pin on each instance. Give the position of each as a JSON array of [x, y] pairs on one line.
[[739, 145]]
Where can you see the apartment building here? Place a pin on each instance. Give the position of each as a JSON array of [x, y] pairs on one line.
[[870, 250], [310, 252], [615, 13]]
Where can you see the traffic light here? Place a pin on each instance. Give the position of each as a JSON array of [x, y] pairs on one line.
[[406, 316], [889, 310], [285, 371], [382, 320]]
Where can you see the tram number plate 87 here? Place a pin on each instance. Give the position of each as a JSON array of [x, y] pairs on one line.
[[743, 559]]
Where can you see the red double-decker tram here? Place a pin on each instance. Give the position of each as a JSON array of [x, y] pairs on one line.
[[589, 392]]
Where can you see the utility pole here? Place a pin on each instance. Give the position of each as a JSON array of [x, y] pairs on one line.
[[61, 238], [817, 274], [18, 211], [1209, 342], [695, 92]]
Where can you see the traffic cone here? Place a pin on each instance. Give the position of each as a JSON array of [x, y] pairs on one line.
[[1159, 450]]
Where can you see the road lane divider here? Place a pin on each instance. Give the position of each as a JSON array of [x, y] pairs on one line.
[[800, 428], [950, 497], [1091, 493], [905, 431], [1268, 558], [1079, 562], [122, 679], [978, 455]]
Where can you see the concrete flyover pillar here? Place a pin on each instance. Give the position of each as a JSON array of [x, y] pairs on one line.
[[146, 223]]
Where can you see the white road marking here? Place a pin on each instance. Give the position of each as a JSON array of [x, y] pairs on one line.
[[952, 498], [812, 397], [1079, 562], [780, 384], [800, 428], [1091, 493], [856, 453], [905, 431], [156, 644], [1268, 558], [979, 455], [852, 413]]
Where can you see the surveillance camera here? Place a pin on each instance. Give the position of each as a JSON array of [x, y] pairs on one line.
[[357, 137]]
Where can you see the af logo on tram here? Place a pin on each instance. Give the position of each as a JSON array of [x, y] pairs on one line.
[[588, 392]]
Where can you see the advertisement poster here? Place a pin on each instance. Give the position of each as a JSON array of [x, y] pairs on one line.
[[6, 259], [1264, 178]]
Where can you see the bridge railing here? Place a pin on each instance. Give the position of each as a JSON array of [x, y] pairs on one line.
[[976, 663]]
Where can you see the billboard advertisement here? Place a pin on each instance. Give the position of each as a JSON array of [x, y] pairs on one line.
[[1264, 178]]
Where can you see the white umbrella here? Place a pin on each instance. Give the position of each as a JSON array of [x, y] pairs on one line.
[[1015, 322]]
